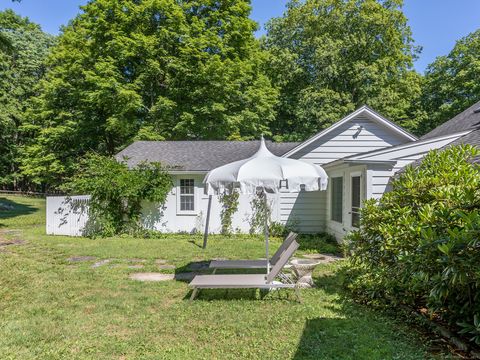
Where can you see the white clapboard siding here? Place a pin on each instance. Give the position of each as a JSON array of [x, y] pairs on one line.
[[358, 135], [403, 155], [67, 215]]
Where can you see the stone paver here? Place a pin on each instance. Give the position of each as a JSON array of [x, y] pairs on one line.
[[11, 242], [160, 262], [151, 277], [166, 267], [138, 266], [81, 258], [101, 263], [135, 260]]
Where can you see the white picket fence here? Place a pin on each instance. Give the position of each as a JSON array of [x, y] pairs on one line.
[[67, 215]]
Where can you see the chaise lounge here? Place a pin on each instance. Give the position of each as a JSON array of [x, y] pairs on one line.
[[254, 264], [249, 281]]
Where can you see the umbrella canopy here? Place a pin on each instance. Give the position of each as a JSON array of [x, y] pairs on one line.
[[267, 173]]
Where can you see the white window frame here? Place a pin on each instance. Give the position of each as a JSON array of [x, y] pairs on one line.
[[350, 207], [179, 196]]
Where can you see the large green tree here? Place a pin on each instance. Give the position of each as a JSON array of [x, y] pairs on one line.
[[452, 82], [151, 69], [21, 67], [329, 57]]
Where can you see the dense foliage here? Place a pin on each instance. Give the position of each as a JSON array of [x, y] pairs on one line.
[[329, 57], [23, 49], [192, 69], [419, 246], [117, 192], [149, 70], [452, 82]]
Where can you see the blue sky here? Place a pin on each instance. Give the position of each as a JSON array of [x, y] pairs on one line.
[[436, 24]]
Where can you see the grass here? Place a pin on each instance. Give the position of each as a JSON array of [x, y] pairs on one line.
[[55, 309]]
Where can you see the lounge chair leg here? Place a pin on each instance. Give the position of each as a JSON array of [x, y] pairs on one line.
[[194, 294]]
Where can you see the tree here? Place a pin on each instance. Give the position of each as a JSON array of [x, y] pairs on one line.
[[155, 69], [452, 82], [329, 57], [20, 70]]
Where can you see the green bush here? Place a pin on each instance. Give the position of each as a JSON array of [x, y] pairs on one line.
[[117, 192], [420, 245]]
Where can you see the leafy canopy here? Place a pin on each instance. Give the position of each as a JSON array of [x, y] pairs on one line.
[[117, 192], [21, 67], [419, 245], [329, 57], [452, 82], [127, 70]]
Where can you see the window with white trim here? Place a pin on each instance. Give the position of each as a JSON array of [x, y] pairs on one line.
[[336, 199], [187, 195]]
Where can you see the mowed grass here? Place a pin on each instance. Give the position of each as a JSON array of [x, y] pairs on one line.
[[52, 308]]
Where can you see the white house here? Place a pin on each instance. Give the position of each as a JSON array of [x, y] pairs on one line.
[[360, 153]]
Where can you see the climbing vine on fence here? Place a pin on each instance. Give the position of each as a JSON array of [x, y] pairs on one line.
[[117, 192], [229, 203]]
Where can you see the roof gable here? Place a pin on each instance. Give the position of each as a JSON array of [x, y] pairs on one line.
[[363, 111]]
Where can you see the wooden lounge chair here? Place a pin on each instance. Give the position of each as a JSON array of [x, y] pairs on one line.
[[254, 264], [249, 281]]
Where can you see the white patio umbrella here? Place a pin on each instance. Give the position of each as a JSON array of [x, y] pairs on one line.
[[267, 173]]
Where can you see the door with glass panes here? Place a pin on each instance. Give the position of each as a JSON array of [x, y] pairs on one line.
[[355, 201]]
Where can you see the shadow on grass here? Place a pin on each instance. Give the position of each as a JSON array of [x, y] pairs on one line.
[[10, 209], [325, 337], [318, 243]]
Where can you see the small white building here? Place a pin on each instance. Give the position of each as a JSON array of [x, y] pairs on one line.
[[360, 153]]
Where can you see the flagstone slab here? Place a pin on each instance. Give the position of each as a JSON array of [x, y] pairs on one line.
[[137, 266], [166, 267], [161, 262], [151, 277], [81, 258], [101, 263]]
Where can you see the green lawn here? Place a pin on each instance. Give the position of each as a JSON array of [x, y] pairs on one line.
[[51, 308]]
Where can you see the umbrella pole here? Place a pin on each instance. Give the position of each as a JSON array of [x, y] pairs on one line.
[[207, 222], [266, 230]]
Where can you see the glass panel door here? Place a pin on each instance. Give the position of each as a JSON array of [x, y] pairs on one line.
[[356, 188]]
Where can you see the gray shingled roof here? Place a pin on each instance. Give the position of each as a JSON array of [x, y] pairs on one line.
[[196, 155], [466, 120]]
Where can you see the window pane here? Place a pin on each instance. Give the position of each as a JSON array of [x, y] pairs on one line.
[[187, 203], [187, 186], [337, 199]]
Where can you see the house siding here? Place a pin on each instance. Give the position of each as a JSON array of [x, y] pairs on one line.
[[381, 176], [168, 219], [345, 140]]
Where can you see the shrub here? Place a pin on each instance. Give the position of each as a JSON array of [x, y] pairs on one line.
[[420, 245], [117, 192]]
